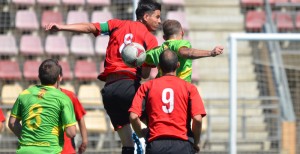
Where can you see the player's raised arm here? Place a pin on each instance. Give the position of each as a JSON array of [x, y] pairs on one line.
[[78, 27], [192, 53]]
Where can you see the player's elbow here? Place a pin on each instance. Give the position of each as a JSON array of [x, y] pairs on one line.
[[133, 117], [71, 131], [197, 119]]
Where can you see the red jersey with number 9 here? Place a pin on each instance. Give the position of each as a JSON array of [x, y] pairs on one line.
[[170, 104], [123, 32]]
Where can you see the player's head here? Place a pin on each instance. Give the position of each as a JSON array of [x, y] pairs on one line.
[[49, 72], [148, 12], [168, 61], [172, 29]]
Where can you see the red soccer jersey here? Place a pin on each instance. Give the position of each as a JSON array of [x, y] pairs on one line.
[[79, 113], [167, 105], [2, 117], [123, 32]]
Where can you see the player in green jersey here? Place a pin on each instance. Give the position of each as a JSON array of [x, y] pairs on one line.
[[173, 34], [45, 113]]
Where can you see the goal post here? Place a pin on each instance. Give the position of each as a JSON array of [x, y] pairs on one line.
[[233, 59]]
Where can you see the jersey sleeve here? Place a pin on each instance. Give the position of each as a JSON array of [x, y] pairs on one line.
[[197, 105], [2, 117], [139, 98], [152, 56], [181, 43], [16, 109], [68, 115]]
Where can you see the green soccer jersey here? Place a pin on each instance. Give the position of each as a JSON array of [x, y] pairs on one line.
[[44, 112], [185, 70]]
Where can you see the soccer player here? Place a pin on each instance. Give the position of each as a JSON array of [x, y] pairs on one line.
[[121, 80], [173, 34], [170, 104], [45, 112], [69, 144], [2, 119]]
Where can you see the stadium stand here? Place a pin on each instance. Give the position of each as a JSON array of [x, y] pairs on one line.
[[5, 16], [30, 70], [98, 2], [89, 95], [82, 45], [48, 2], [10, 92], [283, 21], [10, 70], [56, 45], [26, 20], [24, 2], [101, 45], [67, 72], [297, 20], [50, 16], [31, 45], [251, 3], [85, 70], [73, 2], [180, 16], [173, 2], [101, 16], [77, 17], [8, 45], [255, 21]]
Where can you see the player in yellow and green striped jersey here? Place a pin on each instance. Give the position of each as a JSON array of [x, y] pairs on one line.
[[45, 113], [173, 34]]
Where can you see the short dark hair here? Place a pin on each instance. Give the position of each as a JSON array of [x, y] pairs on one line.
[[49, 72], [171, 27], [146, 6], [168, 61]]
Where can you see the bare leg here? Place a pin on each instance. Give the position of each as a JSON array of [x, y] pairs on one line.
[[125, 134]]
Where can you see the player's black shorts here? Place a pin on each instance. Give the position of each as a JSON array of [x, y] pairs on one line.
[[117, 99], [171, 146]]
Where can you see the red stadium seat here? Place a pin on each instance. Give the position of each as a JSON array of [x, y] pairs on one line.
[[297, 20], [24, 2], [8, 45], [31, 45], [73, 2], [98, 2], [77, 17], [255, 20], [67, 73], [82, 45], [49, 2], [180, 16], [51, 16], [280, 1], [56, 45], [85, 70], [283, 21], [100, 16], [10, 70], [101, 45], [251, 3], [26, 20], [31, 70]]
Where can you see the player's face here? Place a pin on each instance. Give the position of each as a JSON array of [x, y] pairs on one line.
[[153, 20]]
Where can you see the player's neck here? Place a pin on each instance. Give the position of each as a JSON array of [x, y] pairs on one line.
[[169, 74]]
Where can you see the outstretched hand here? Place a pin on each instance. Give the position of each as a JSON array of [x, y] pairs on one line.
[[52, 27], [217, 51]]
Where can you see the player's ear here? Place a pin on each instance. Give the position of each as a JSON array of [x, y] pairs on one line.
[[146, 17], [60, 78], [178, 64]]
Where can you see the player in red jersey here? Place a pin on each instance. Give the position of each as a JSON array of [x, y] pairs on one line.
[[2, 119], [170, 104], [121, 80], [69, 144]]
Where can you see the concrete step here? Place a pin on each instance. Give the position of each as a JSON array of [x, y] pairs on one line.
[[212, 89], [214, 10], [262, 136], [225, 127], [222, 3], [225, 120], [224, 103], [242, 147], [240, 111]]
